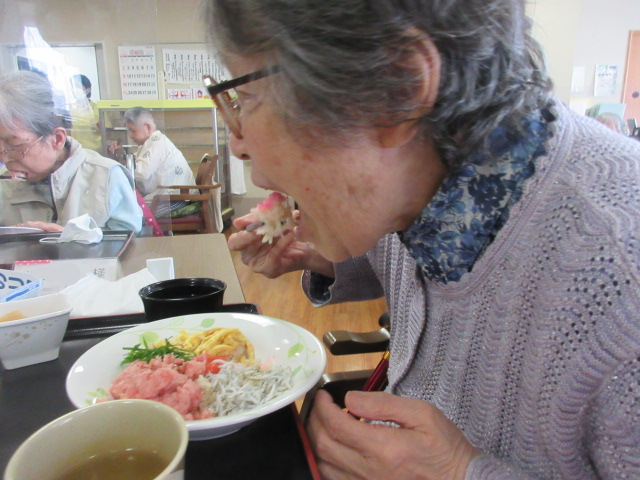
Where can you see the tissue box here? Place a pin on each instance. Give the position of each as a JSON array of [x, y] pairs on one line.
[[58, 274]]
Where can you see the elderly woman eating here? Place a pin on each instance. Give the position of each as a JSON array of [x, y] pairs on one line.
[[432, 164], [54, 178]]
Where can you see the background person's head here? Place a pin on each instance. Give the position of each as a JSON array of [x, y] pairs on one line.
[[82, 83], [345, 65], [613, 121], [32, 138], [140, 124]]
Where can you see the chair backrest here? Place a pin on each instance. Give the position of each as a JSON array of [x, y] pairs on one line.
[[206, 170], [600, 108]]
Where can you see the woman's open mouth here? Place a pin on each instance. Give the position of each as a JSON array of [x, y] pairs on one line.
[[16, 176]]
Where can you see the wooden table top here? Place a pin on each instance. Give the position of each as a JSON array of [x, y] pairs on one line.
[[199, 255]]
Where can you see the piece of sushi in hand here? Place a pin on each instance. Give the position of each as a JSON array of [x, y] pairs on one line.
[[274, 216]]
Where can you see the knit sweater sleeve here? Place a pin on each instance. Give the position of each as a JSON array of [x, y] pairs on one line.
[[490, 467], [355, 280], [612, 437]]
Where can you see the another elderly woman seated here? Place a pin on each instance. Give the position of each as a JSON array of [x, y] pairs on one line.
[[57, 179]]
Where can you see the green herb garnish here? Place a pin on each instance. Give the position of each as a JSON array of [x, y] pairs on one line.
[[144, 353]]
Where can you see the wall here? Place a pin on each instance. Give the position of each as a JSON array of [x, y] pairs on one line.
[[110, 22], [555, 26], [573, 33], [584, 33]]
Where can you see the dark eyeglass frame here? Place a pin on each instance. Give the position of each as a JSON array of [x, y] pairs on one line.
[[229, 106]]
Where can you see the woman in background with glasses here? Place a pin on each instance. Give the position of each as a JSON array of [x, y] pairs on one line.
[[431, 164], [63, 180]]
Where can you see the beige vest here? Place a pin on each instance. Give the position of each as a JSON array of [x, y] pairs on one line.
[[79, 186]]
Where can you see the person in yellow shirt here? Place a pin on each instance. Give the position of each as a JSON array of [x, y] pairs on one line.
[[85, 116]]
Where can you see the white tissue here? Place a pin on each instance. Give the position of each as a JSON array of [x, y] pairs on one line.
[[95, 297], [82, 229]]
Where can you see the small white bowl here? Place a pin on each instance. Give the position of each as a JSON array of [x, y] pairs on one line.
[[36, 338]]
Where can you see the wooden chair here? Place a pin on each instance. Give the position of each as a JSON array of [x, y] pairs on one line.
[[202, 221], [341, 342]]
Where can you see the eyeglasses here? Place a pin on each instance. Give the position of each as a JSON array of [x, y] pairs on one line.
[[13, 150], [228, 104]]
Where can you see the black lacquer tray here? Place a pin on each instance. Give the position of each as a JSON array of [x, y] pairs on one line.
[[273, 447], [28, 247]]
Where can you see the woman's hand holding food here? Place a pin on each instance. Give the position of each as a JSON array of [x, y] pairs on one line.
[[427, 445], [285, 254]]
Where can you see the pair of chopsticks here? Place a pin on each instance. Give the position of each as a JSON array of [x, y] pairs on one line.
[[252, 226], [18, 177], [378, 379]]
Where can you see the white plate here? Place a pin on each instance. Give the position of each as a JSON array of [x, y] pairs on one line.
[[282, 342]]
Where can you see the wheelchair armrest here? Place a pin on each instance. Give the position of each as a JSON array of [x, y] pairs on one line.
[[337, 384], [342, 342]]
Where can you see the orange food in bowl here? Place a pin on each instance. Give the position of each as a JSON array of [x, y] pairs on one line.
[[13, 315]]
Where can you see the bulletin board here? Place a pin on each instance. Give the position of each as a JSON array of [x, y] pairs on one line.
[[167, 71]]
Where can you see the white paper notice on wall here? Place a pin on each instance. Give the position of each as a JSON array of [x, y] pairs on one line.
[[138, 72], [189, 65], [606, 80], [577, 80]]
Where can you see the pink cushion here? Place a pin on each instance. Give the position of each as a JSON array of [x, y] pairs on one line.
[[148, 216]]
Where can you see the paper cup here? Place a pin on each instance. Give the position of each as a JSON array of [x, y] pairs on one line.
[[102, 432]]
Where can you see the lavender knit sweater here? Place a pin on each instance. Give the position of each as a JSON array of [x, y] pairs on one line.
[[534, 354]]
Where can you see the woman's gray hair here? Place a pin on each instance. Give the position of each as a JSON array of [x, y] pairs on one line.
[[26, 101], [139, 116], [344, 63]]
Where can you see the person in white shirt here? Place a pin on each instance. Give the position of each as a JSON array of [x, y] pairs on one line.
[[157, 161]]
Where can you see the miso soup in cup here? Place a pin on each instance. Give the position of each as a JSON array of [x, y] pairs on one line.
[[114, 440]]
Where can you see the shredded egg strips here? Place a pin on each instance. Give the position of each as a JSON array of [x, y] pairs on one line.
[[217, 342]]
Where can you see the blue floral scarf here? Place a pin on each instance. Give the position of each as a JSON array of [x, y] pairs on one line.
[[473, 203]]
